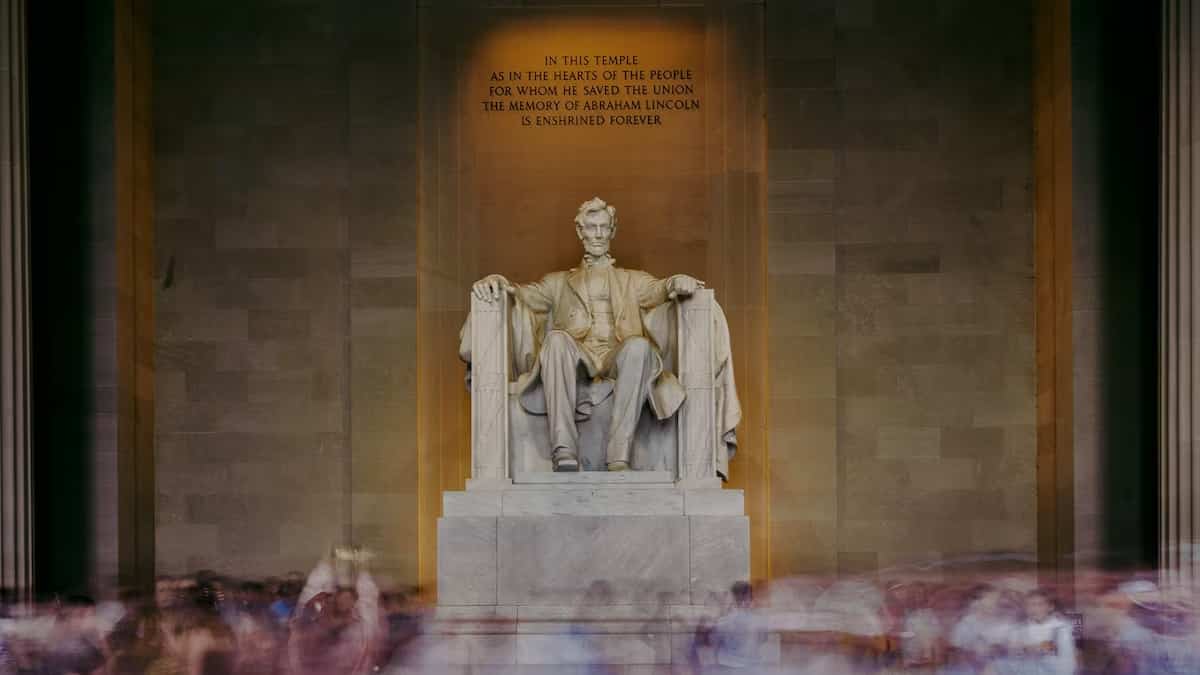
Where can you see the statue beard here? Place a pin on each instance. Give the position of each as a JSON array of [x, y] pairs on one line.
[[597, 250]]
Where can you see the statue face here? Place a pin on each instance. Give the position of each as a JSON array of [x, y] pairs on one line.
[[596, 232]]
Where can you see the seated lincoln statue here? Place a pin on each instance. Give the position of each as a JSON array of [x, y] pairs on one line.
[[601, 337]]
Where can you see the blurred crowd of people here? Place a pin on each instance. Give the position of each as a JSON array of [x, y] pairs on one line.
[[330, 622], [215, 625], [960, 624]]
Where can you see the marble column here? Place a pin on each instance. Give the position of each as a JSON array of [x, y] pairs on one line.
[[1179, 291], [16, 506]]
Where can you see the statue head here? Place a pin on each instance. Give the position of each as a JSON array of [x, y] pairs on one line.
[[596, 225]]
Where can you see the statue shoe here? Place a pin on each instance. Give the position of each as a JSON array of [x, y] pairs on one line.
[[565, 461], [619, 465]]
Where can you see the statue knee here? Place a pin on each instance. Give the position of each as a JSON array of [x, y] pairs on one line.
[[557, 342], [636, 347]]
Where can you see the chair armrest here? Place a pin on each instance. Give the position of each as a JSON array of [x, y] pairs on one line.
[[490, 368]]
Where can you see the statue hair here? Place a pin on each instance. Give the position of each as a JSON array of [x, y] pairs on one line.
[[592, 206]]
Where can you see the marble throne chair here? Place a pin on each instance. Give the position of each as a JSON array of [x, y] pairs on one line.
[[511, 445]]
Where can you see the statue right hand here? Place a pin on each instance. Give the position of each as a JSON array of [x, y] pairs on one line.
[[490, 287]]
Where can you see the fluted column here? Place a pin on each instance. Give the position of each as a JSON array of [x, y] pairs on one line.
[[1179, 472], [16, 495]]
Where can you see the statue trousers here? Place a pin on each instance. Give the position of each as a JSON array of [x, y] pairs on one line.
[[563, 363]]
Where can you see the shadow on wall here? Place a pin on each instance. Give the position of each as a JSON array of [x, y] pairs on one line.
[[1118, 117], [72, 201]]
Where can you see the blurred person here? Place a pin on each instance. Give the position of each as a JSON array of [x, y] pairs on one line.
[[1172, 618], [580, 631], [295, 580], [73, 644], [188, 590], [852, 613], [270, 588], [8, 660], [401, 625], [1116, 642], [328, 637], [28, 631], [166, 592], [206, 591], [194, 642], [1043, 644], [254, 630], [738, 636], [246, 599], [918, 629], [703, 632], [136, 640], [336, 628], [284, 604], [983, 632]]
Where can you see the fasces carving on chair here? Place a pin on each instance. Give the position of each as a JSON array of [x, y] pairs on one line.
[[599, 368]]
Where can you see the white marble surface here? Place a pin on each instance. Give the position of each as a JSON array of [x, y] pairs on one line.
[[593, 500], [608, 501], [720, 554], [489, 389], [471, 503], [545, 547], [467, 561], [605, 619], [554, 560], [472, 620], [461, 650], [714, 502]]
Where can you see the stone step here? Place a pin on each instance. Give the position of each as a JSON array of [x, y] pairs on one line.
[[593, 500], [593, 477]]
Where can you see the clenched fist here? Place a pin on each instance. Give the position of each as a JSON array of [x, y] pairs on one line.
[[681, 285]]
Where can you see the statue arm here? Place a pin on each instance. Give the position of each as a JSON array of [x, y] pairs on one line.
[[531, 302], [653, 292], [538, 296]]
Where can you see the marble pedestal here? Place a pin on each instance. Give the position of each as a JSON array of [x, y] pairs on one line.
[[560, 569]]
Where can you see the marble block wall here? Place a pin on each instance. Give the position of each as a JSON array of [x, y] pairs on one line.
[[900, 304], [901, 281], [286, 195]]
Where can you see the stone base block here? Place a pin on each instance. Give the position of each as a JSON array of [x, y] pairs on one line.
[[467, 561], [569, 560], [562, 577], [594, 560]]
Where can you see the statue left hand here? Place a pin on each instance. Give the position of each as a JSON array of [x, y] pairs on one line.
[[681, 285]]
